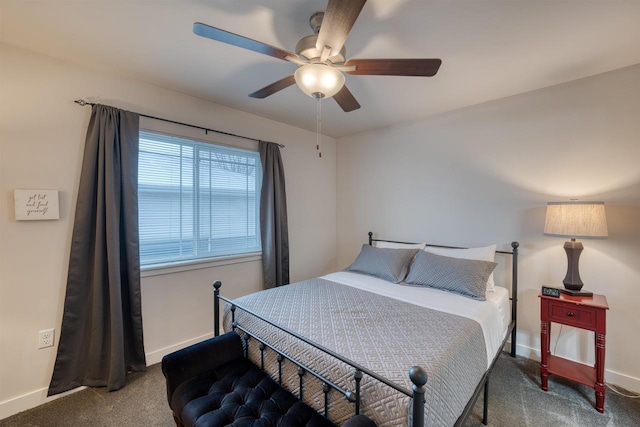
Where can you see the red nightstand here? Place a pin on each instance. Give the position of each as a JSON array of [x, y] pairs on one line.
[[588, 313]]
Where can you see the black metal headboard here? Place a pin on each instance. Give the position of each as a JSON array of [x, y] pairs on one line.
[[514, 280]]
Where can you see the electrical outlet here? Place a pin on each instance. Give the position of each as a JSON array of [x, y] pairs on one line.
[[46, 337]]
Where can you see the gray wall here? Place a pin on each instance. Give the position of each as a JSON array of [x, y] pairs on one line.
[[484, 174]]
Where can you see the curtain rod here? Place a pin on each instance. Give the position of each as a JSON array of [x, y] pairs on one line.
[[82, 103]]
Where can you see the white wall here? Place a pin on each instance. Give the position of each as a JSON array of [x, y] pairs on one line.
[[484, 174], [42, 138]]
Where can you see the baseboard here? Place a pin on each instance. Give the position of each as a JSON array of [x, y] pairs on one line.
[[157, 355], [611, 377], [30, 400], [38, 397], [622, 380]]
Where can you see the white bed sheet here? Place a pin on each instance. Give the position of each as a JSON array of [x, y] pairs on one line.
[[493, 315]]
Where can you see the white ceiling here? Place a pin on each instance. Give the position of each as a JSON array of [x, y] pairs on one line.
[[490, 49]]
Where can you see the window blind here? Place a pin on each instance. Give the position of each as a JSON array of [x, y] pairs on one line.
[[196, 200]]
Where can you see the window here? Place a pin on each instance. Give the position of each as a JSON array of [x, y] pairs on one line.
[[196, 200]]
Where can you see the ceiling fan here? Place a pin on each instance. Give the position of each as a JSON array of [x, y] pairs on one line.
[[321, 57]]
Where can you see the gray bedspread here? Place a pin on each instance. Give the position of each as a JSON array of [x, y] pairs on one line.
[[382, 334]]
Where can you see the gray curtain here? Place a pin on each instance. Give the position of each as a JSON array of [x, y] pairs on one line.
[[101, 334], [273, 217]]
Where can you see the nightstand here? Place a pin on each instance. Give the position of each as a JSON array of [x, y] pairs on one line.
[[588, 313]]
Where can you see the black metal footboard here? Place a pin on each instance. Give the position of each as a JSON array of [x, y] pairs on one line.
[[417, 374]]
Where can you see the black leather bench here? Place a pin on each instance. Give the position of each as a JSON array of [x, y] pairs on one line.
[[212, 384]]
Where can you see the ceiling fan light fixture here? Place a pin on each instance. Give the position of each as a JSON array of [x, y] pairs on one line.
[[319, 80], [322, 53]]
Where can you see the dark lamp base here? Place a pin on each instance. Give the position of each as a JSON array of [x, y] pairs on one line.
[[577, 293], [572, 280]]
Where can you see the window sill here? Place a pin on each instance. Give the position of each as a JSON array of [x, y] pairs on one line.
[[177, 267]]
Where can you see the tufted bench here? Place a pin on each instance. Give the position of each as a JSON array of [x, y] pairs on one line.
[[212, 384]]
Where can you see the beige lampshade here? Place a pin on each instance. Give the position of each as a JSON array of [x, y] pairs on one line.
[[576, 219]]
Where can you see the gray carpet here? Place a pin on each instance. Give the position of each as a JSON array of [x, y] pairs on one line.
[[515, 400]]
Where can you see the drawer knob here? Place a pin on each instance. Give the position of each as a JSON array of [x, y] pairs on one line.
[[570, 314]]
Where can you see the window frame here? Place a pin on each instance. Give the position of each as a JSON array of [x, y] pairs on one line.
[[175, 266]]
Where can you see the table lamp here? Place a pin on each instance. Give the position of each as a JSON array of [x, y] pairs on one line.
[[575, 219]]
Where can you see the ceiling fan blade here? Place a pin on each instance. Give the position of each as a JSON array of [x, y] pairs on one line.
[[346, 100], [337, 23], [223, 36], [395, 67], [273, 87]]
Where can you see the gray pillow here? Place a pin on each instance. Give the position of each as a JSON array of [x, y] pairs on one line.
[[467, 277], [387, 264]]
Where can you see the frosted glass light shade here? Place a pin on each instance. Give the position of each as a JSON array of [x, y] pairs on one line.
[[319, 80], [576, 219]]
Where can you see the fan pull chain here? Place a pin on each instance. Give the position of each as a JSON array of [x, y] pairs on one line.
[[319, 125]]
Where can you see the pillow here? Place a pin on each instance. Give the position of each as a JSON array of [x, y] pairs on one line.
[[387, 264], [462, 276], [487, 253], [393, 245]]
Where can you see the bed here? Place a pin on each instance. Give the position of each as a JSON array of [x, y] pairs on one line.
[[400, 353]]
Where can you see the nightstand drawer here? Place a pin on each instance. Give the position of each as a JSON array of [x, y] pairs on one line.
[[572, 315]]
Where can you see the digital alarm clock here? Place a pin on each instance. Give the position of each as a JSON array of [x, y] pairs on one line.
[[550, 292]]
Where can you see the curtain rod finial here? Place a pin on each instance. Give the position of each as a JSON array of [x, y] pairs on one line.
[[80, 102]]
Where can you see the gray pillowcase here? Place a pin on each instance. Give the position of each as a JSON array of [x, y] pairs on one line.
[[466, 277], [387, 264]]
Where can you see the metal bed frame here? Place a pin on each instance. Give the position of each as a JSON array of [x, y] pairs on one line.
[[417, 374]]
